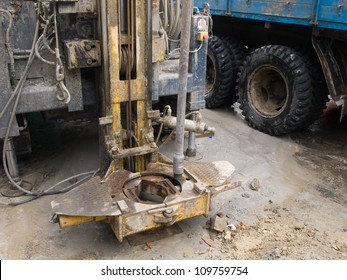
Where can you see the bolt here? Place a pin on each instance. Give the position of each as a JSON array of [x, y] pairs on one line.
[[89, 61], [87, 47]]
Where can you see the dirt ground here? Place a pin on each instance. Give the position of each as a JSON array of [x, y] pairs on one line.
[[298, 210]]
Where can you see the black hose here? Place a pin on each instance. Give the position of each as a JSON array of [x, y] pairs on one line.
[[87, 175]]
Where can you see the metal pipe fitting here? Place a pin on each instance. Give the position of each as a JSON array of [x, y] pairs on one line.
[[178, 158]]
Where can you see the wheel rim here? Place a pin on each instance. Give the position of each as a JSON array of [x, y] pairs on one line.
[[268, 91], [211, 74]]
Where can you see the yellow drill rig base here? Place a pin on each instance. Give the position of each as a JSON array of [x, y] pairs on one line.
[[136, 202]]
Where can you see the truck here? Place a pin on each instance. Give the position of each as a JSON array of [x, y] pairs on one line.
[[280, 59], [131, 66]]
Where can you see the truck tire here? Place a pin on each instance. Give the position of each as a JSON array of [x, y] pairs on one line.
[[237, 53], [218, 73], [318, 83], [274, 90]]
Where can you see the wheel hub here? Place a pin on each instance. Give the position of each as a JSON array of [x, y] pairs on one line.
[[268, 91]]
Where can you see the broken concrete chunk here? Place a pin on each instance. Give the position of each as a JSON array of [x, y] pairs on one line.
[[232, 227], [218, 224], [299, 226], [228, 235], [254, 185], [209, 241]]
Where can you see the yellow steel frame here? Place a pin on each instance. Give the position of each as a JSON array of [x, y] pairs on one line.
[[139, 217], [119, 89]]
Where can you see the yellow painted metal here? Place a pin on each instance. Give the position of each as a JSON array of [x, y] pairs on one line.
[[119, 89], [68, 221], [120, 93], [140, 217], [114, 65], [187, 206], [131, 223]]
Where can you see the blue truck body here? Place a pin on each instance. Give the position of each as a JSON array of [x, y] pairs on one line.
[[331, 14], [251, 36]]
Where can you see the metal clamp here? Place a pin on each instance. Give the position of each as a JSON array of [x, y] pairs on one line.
[[64, 94]]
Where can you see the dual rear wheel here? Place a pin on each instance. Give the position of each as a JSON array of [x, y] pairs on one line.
[[280, 89]]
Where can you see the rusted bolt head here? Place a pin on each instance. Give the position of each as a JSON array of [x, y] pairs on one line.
[[87, 47], [114, 150]]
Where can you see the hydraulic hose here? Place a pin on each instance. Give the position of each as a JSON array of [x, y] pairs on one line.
[[17, 93]]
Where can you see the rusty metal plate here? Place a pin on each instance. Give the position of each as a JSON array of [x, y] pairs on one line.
[[212, 174], [90, 199], [83, 53]]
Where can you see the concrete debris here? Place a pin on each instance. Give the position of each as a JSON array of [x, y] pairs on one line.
[[246, 195], [277, 253], [243, 225], [254, 185], [224, 250], [299, 226], [337, 248], [228, 235], [209, 241], [218, 224], [269, 220], [232, 227], [340, 247], [149, 245]]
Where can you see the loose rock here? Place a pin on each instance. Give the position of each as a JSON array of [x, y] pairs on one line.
[[209, 241], [299, 226], [254, 185], [228, 235], [218, 224]]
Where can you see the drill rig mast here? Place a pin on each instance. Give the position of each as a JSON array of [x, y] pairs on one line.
[[133, 50]]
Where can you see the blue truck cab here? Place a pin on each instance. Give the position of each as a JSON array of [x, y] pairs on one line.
[[280, 59]]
